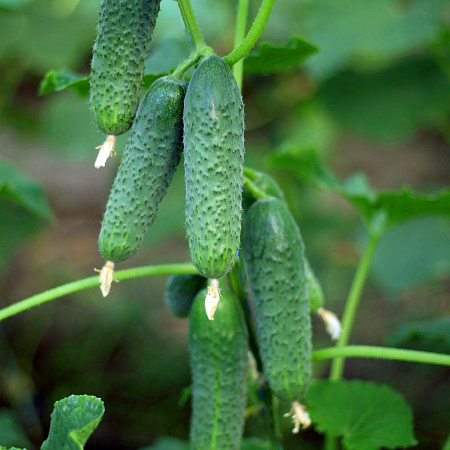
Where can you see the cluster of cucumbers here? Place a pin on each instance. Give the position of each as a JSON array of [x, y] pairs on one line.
[[204, 120]]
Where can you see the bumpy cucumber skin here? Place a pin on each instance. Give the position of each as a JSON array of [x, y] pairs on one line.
[[315, 293], [274, 259], [124, 33], [151, 155], [181, 291], [267, 184], [213, 160], [218, 352]]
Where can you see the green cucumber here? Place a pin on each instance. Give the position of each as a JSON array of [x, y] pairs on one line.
[[181, 291], [151, 155], [124, 33], [219, 365], [315, 293], [213, 160], [274, 260]]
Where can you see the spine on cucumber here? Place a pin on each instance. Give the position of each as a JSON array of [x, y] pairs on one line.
[[214, 156], [181, 291], [124, 34], [219, 365], [274, 260], [151, 155]]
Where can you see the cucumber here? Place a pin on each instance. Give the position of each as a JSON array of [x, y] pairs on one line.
[[315, 293], [181, 291], [219, 365], [213, 160], [151, 155], [124, 33], [274, 260]]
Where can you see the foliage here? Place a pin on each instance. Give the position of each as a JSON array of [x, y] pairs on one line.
[[368, 416]]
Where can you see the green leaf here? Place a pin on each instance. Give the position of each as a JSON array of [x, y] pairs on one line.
[[73, 420], [11, 432], [402, 260], [11, 448], [428, 335], [378, 210], [392, 104], [24, 210], [268, 58], [366, 415], [56, 81]]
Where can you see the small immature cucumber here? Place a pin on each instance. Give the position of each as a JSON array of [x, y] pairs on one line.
[[315, 293], [274, 259], [181, 291], [124, 33], [213, 160], [219, 365], [151, 155]]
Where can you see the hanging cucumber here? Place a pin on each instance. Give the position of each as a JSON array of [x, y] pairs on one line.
[[151, 155], [274, 260], [213, 159], [124, 33], [181, 291], [219, 365]]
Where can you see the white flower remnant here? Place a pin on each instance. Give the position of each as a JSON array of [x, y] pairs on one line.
[[299, 415], [106, 277], [212, 299], [332, 323], [105, 151]]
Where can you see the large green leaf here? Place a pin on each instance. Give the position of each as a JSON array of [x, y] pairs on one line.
[[429, 335], [268, 58], [11, 432], [366, 415], [73, 420], [378, 210], [24, 210], [367, 32], [55, 81], [413, 253], [391, 104]]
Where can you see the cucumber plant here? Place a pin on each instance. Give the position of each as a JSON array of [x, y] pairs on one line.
[[264, 314]]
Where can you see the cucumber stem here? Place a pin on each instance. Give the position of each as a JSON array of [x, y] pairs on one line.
[[85, 283], [253, 35], [239, 34], [255, 190], [191, 24]]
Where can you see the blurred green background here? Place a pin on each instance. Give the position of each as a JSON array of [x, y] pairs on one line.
[[375, 99]]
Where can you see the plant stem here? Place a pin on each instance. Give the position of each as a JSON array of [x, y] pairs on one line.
[[191, 23], [352, 304], [239, 34], [185, 65], [85, 283], [255, 190], [253, 35], [250, 173], [369, 351]]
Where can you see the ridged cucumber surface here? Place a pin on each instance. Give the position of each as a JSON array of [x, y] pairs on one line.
[[181, 291], [151, 155], [213, 159], [219, 365], [274, 260], [124, 33]]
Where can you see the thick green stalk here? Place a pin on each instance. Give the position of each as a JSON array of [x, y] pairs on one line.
[[352, 304], [191, 23], [85, 283], [369, 351], [255, 190], [253, 35], [239, 34]]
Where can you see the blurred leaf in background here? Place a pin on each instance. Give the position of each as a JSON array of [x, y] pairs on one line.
[[11, 432]]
